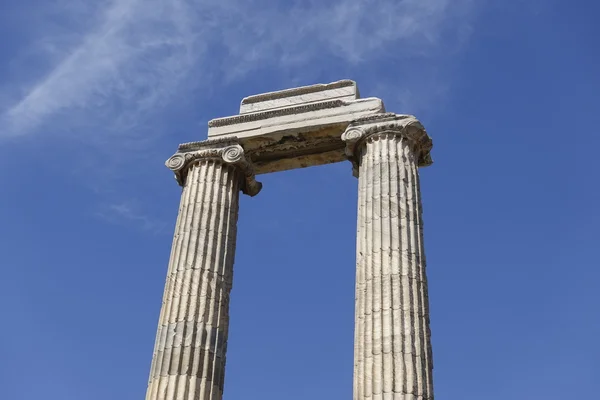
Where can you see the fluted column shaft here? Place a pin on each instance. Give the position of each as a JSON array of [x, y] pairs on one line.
[[392, 357], [191, 342]]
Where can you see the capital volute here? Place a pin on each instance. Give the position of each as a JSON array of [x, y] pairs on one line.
[[405, 126], [225, 151]]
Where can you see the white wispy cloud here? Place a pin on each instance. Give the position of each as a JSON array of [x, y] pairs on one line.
[[126, 59], [130, 213], [130, 61]]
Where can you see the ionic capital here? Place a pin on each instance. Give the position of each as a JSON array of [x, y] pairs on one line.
[[225, 151], [405, 126]]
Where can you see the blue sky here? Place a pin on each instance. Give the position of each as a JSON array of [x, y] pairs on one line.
[[95, 96]]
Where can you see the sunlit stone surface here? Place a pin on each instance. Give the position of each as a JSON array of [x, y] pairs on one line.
[[296, 128], [392, 350], [277, 131]]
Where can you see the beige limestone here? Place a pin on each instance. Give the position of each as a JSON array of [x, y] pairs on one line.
[[227, 150], [300, 118], [191, 342], [276, 131], [341, 90], [392, 351], [295, 128]]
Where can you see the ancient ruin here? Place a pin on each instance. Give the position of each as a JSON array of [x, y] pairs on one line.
[[273, 132]]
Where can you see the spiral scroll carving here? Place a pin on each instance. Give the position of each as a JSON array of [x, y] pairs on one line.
[[406, 126], [233, 154], [352, 135], [222, 151], [176, 162]]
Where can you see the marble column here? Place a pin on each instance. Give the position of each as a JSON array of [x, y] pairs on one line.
[[191, 342], [392, 355]]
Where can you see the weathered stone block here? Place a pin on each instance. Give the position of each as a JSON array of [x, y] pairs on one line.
[[296, 128], [341, 90]]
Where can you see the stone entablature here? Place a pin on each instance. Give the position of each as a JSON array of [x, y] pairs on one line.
[[296, 128]]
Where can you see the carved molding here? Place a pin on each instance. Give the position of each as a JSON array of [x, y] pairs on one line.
[[225, 151], [406, 126], [304, 108], [204, 143]]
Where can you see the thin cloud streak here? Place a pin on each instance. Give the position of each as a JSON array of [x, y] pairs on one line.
[[132, 61], [129, 213], [141, 52]]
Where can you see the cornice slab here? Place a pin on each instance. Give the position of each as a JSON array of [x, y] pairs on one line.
[[294, 119], [340, 90]]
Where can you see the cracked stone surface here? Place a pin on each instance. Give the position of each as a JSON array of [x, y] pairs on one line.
[[277, 131], [392, 350], [295, 128], [191, 342]]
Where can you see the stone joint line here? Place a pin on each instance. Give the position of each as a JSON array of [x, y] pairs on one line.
[[293, 128]]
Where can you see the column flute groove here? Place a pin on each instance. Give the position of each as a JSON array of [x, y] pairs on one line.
[[283, 130], [189, 354], [392, 337]]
